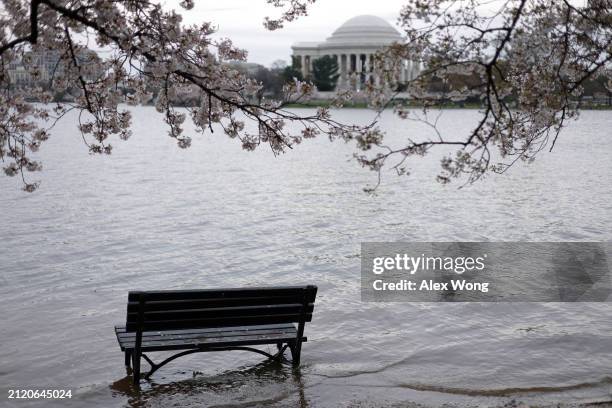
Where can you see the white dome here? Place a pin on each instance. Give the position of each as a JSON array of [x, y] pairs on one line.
[[364, 30]]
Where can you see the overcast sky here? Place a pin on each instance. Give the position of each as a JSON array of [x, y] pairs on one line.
[[241, 21]]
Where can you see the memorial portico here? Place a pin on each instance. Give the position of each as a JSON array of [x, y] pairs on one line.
[[353, 46]]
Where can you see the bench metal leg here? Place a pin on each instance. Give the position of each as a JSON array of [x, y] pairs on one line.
[[136, 369], [296, 351], [155, 367], [128, 358], [281, 351]]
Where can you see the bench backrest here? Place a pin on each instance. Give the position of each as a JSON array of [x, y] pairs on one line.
[[187, 309]]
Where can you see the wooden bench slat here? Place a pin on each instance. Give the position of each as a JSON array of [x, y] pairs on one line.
[[213, 345], [239, 335], [234, 311], [271, 337], [228, 292], [127, 336], [230, 342], [120, 329], [179, 304], [153, 325]]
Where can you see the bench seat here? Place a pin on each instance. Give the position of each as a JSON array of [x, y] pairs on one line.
[[208, 337]]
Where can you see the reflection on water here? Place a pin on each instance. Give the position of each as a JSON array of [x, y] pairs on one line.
[[221, 389], [152, 216]]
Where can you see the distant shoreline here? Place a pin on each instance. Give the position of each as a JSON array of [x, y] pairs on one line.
[[320, 103], [470, 106]]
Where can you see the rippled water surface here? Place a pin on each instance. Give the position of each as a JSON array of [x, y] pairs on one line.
[[152, 216]]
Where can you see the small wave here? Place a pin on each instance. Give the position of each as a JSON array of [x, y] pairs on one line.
[[505, 392]]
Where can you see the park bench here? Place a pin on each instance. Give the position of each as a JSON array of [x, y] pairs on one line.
[[214, 320]]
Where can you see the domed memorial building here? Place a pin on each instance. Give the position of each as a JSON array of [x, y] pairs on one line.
[[352, 45]]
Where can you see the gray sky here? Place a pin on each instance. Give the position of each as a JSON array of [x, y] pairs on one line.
[[241, 21]]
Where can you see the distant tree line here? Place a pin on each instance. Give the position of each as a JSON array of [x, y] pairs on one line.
[[325, 77], [458, 88]]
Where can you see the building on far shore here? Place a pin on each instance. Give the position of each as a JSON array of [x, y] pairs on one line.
[[353, 46], [40, 67]]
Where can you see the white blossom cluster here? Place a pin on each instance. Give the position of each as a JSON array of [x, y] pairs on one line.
[[151, 49], [525, 61]]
